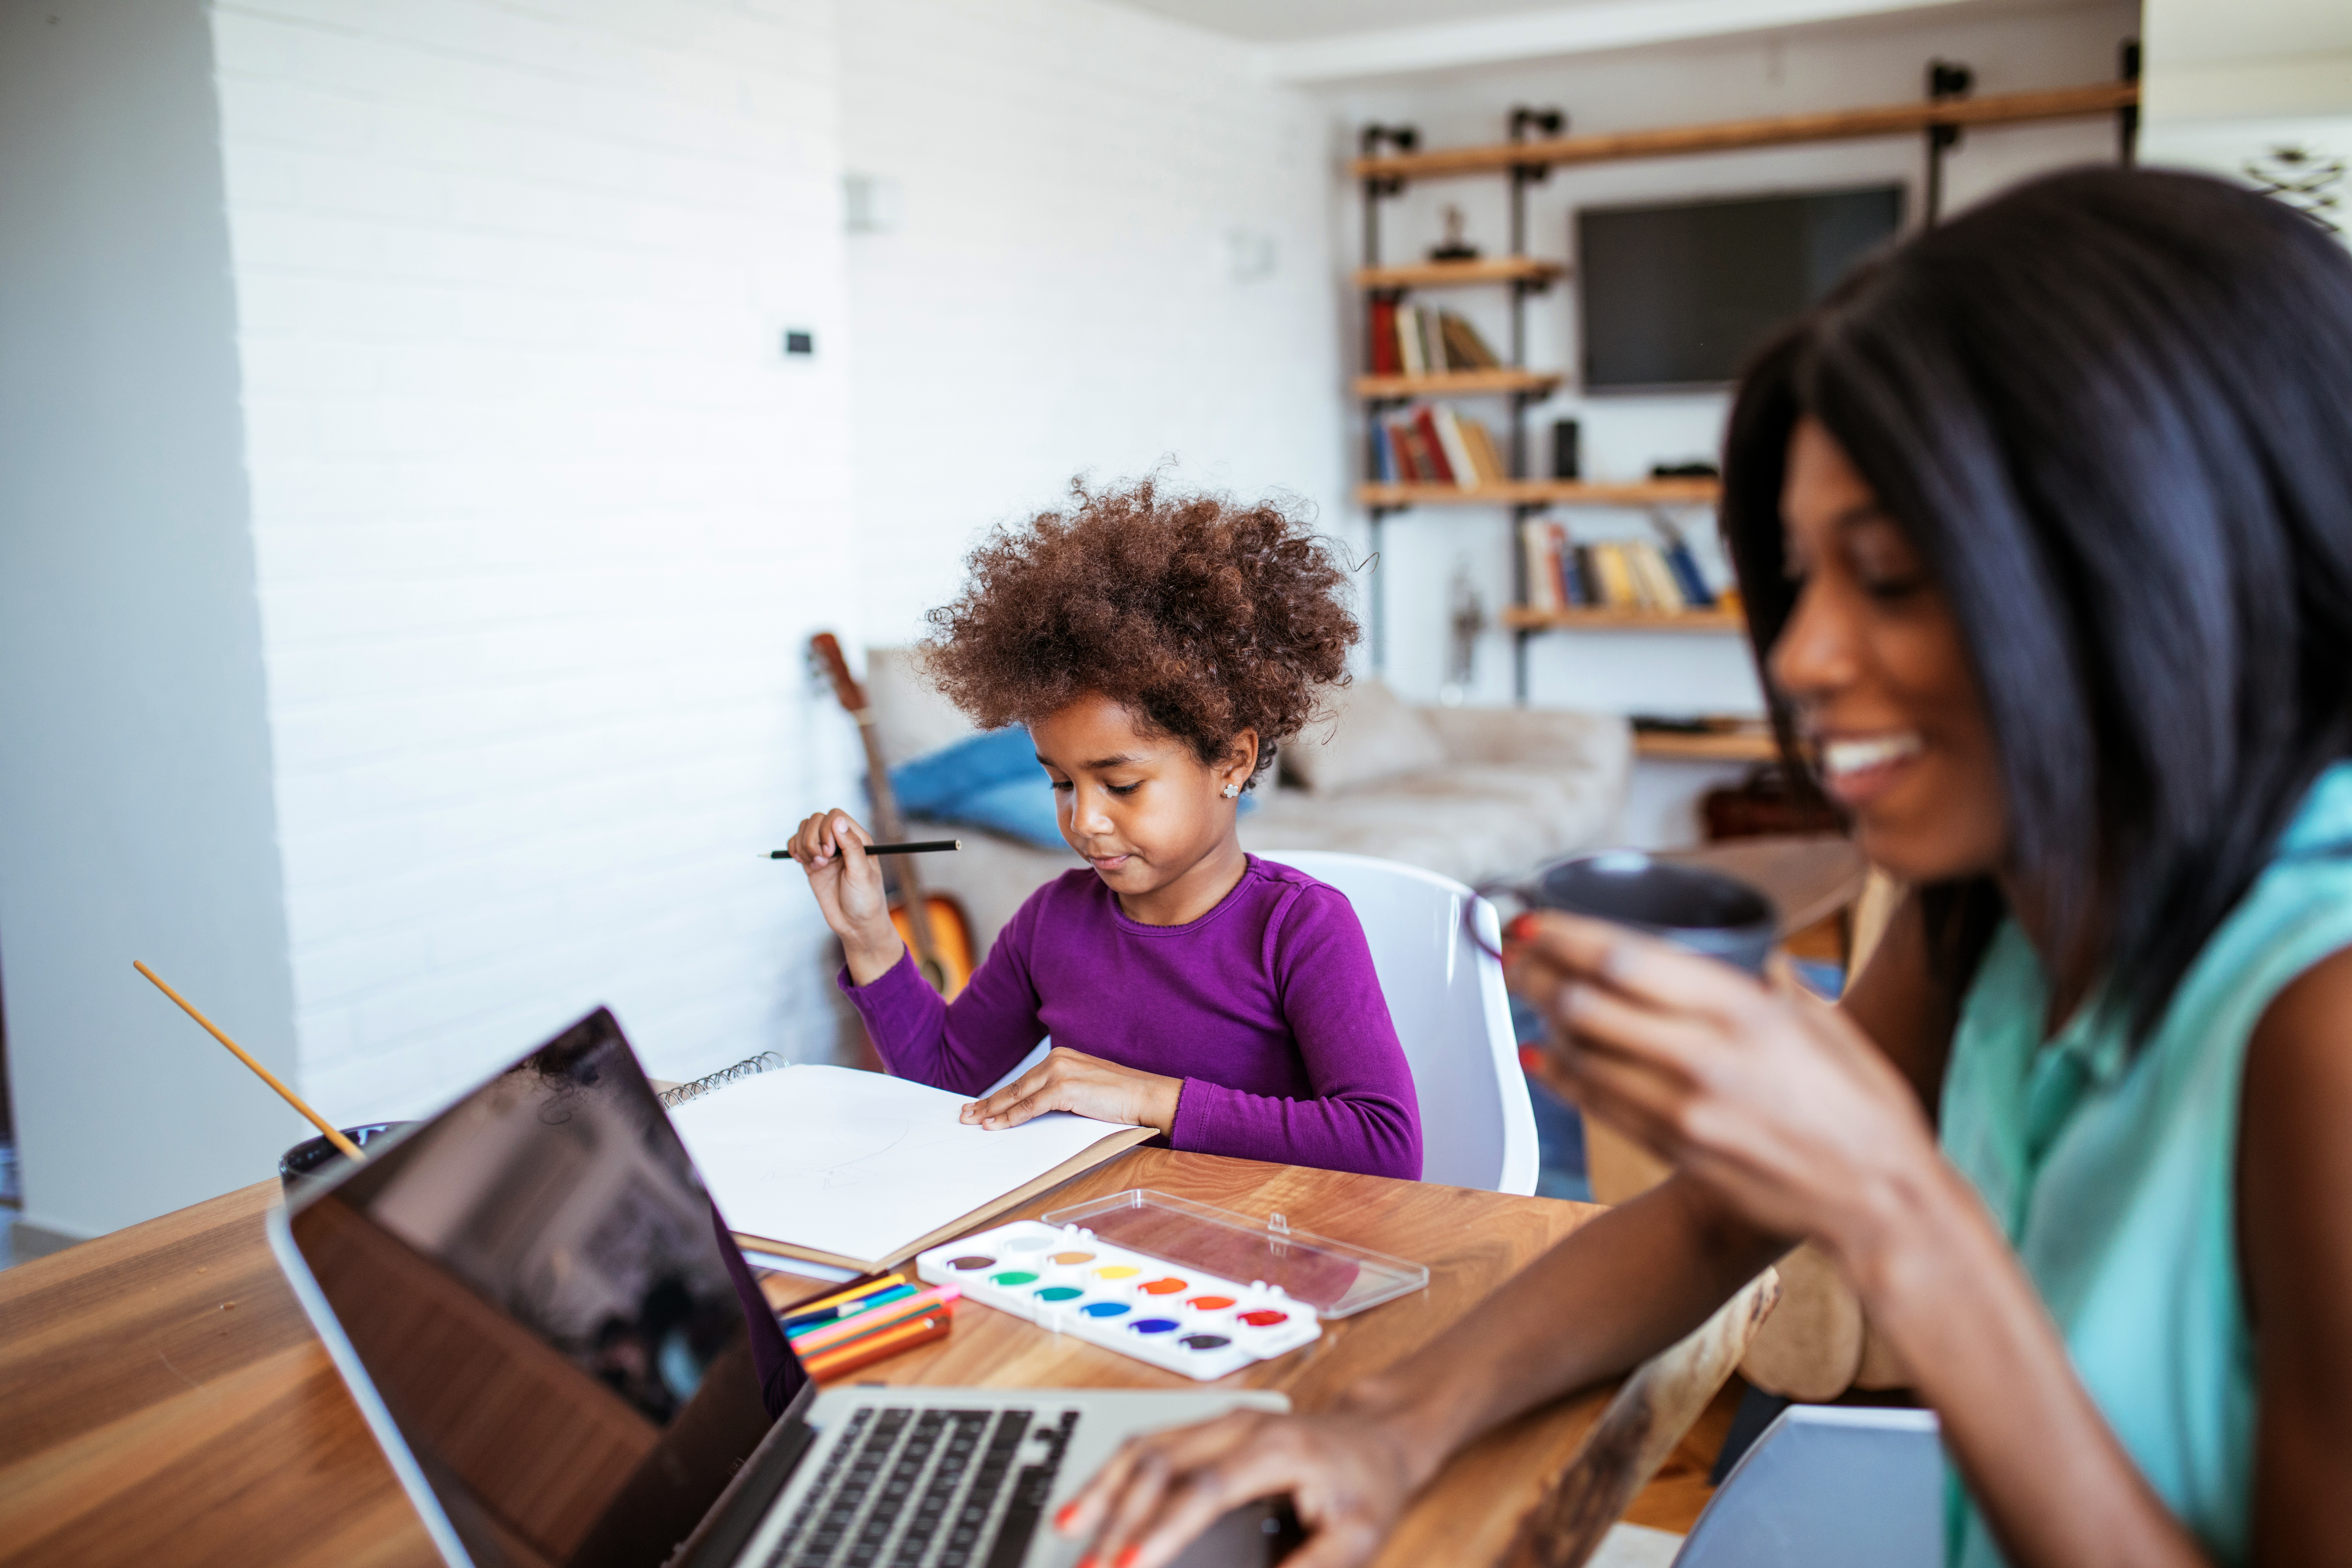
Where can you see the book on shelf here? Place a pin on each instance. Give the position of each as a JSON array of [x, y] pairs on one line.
[[1609, 573], [1385, 360], [1435, 446], [1416, 339], [1430, 447], [1683, 564], [1409, 340]]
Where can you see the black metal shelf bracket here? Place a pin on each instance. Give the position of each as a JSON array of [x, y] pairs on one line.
[[1946, 81]]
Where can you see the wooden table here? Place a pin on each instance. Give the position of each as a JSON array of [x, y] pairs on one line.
[[162, 1398]]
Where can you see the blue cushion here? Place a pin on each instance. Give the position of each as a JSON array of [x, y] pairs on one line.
[[990, 780]]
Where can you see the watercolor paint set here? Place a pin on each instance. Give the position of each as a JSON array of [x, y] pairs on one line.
[[1198, 1290]]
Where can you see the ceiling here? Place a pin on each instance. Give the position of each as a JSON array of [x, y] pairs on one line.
[[1326, 40], [1294, 21]]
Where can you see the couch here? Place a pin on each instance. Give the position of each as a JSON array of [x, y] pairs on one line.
[[1470, 793]]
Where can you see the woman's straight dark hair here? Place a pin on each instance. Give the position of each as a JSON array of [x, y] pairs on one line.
[[2112, 410]]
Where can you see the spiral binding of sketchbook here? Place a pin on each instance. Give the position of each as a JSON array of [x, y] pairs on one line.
[[680, 1094]]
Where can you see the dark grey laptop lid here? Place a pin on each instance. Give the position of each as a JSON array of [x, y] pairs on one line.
[[533, 1284]]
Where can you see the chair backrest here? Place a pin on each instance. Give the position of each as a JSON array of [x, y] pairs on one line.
[[1445, 995], [1829, 1485]]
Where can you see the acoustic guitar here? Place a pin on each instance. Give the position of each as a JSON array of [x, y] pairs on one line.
[[932, 924]]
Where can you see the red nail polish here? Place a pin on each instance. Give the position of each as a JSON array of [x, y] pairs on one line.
[[1530, 1058], [1522, 926], [1126, 1558], [1088, 1561], [1066, 1518]]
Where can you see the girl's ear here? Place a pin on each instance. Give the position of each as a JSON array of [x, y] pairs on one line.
[[1241, 761]]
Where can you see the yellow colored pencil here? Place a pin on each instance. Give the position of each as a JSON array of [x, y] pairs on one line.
[[334, 1134], [803, 1309]]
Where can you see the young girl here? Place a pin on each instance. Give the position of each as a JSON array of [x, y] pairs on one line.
[[2045, 527], [1158, 648]]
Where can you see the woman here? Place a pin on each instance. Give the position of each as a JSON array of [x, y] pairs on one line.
[[2044, 524]]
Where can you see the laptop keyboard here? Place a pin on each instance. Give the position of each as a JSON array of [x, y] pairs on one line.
[[928, 1488]]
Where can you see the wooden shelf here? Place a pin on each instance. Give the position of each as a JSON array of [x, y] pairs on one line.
[[1728, 746], [1845, 125], [1460, 274], [1546, 492], [1521, 618], [1458, 384]]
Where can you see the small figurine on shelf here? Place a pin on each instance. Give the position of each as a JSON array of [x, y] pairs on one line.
[[1453, 250], [1465, 619]]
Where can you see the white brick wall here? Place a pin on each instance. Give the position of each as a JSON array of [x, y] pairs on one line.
[[544, 517], [1057, 298]]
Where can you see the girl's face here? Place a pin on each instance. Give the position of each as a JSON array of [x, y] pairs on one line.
[[1872, 659], [1142, 809]]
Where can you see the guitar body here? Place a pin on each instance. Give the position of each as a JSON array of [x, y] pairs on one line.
[[932, 924], [949, 935]]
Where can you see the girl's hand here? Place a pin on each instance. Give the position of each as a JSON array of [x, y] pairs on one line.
[[848, 882], [1770, 1096], [1070, 1080], [1348, 1477]]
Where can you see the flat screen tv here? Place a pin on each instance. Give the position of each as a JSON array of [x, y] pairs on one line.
[[1676, 295]]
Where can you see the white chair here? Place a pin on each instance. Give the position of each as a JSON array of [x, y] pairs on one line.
[[1445, 993]]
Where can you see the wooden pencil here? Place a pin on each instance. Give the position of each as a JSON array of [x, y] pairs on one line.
[[334, 1134]]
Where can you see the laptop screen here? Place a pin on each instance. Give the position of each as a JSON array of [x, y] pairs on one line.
[[535, 1283]]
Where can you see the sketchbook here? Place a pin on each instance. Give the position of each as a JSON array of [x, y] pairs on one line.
[[862, 1171]]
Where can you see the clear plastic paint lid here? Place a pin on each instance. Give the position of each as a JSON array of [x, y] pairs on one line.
[[1333, 1276]]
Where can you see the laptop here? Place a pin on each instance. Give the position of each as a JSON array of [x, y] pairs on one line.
[[535, 1306]]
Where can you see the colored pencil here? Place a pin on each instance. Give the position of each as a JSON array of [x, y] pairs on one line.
[[850, 1309], [881, 1347], [833, 1335], [917, 847], [334, 1134], [824, 1309]]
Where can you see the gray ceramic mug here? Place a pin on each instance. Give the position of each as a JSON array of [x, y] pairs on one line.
[[1695, 908]]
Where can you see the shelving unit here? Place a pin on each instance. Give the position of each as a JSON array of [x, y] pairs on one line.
[[1737, 746], [1780, 130], [1510, 380], [1460, 274], [1543, 492], [1614, 618], [1392, 155]]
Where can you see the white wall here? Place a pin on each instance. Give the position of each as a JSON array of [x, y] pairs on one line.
[[1058, 297], [134, 762], [1850, 64], [2230, 84], [542, 516]]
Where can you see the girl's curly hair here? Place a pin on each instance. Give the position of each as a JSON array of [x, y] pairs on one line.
[[1200, 615]]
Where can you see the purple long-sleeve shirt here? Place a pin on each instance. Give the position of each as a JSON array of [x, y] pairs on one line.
[[1266, 1006]]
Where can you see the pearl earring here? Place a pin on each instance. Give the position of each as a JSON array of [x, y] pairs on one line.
[[1232, 792]]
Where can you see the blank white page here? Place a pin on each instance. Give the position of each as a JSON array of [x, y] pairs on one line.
[[860, 1164]]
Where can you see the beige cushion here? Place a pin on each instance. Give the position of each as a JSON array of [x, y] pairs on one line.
[[910, 718], [1372, 735]]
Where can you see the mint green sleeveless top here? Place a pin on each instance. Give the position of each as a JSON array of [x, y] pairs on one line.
[[2114, 1175]]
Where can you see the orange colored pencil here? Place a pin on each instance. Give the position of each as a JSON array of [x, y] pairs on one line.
[[857, 1325], [880, 1347]]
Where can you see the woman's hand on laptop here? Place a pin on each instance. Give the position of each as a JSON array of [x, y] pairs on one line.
[[1347, 1477], [848, 882], [1089, 1085]]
